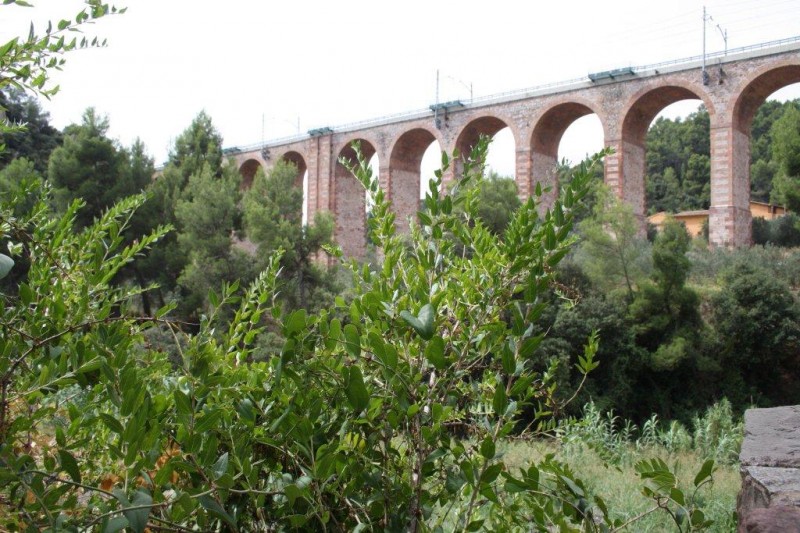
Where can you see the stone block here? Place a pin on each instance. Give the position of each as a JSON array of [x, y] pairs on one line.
[[772, 437]]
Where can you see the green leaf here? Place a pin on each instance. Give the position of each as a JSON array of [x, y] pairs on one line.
[[118, 523], [475, 525], [697, 518], [296, 322], [89, 366], [356, 392], [468, 470], [183, 406], [491, 473], [573, 487], [352, 340], [164, 474], [25, 294], [556, 257], [69, 465], [208, 421], [292, 492], [119, 494], [423, 323], [549, 238], [529, 346], [334, 334], [213, 298], [423, 218], [137, 518], [601, 504], [215, 509], [221, 466], [704, 473], [513, 485], [488, 492], [488, 448], [499, 401], [509, 363], [9, 45], [246, 411], [112, 423], [6, 264], [434, 353]]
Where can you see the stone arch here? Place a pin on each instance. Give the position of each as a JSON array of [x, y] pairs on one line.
[[730, 220], [640, 111], [405, 158], [757, 88], [468, 137], [349, 206], [643, 107], [485, 125], [248, 171], [299, 161], [545, 138]]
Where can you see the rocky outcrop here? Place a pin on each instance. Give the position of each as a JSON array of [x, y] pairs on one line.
[[770, 465]]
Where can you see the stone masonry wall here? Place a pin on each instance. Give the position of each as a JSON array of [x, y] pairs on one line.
[[770, 465]]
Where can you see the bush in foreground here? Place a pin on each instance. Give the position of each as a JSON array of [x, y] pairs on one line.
[[390, 419]]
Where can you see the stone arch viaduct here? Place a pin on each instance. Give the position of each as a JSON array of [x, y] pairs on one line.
[[732, 87]]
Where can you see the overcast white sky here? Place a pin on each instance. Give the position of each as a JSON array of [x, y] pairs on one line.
[[330, 63]]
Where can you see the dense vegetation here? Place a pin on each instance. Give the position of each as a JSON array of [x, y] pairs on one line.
[[178, 358]]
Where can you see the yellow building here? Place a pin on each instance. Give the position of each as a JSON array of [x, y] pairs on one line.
[[694, 220]]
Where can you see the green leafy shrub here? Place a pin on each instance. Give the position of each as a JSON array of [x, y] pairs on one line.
[[782, 231], [375, 402], [757, 319], [390, 419], [717, 433], [387, 419]]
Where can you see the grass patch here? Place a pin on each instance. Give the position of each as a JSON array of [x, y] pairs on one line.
[[620, 486]]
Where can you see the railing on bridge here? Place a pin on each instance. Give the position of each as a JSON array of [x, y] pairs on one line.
[[521, 93]]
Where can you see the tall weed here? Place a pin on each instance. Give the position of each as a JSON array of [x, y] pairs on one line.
[[717, 435]]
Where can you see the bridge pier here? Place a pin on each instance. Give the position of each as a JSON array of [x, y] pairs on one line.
[[729, 218], [543, 170], [624, 175], [349, 208]]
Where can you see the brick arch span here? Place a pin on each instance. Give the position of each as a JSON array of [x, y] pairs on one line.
[[485, 125], [297, 159], [468, 137], [757, 88], [643, 107], [349, 206], [405, 158], [730, 220], [545, 138], [248, 171], [640, 111]]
